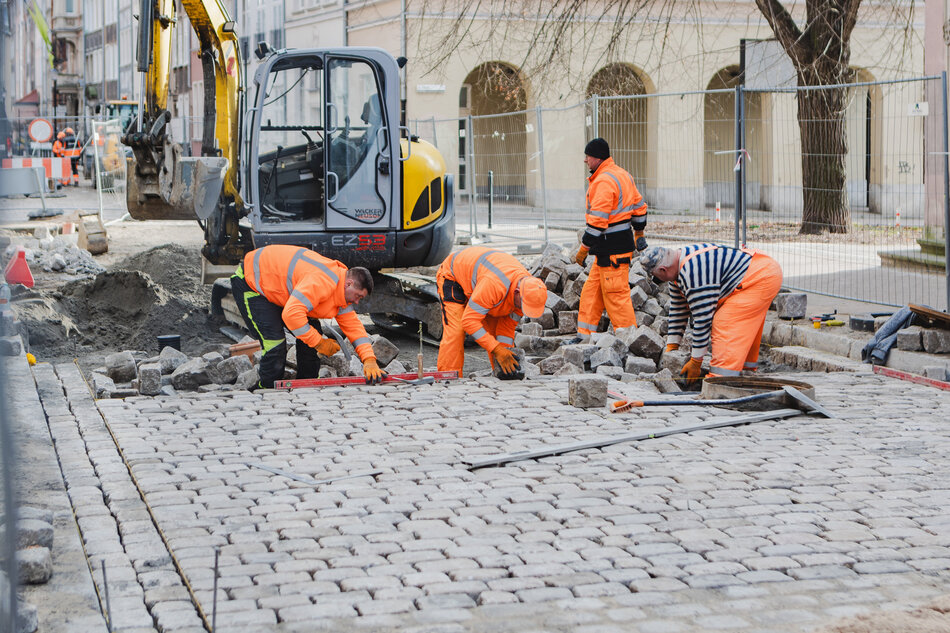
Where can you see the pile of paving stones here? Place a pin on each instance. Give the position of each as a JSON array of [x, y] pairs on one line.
[[131, 372], [627, 354], [53, 253], [34, 561]]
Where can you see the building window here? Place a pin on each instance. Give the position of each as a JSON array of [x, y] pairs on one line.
[[70, 6]]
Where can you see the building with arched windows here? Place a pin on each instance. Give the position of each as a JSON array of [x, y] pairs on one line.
[[663, 95]]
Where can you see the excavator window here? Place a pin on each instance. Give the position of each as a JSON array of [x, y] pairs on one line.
[[291, 142]]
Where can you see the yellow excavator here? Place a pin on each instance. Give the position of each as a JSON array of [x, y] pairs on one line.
[[311, 153]]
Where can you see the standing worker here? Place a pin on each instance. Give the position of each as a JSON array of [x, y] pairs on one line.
[[614, 206], [59, 151], [282, 286], [71, 150], [727, 291], [485, 293]]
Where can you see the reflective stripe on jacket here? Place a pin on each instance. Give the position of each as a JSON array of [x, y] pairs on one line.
[[614, 206], [488, 278], [307, 285]]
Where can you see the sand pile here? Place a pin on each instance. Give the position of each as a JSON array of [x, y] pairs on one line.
[[155, 292]]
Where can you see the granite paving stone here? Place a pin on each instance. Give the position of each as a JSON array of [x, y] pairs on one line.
[[741, 528]]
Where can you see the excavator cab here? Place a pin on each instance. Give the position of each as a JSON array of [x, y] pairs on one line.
[[326, 167]]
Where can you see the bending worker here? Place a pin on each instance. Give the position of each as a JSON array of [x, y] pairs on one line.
[[614, 206], [485, 293], [727, 291], [282, 286]]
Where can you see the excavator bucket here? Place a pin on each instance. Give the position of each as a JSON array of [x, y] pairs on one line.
[[188, 190]]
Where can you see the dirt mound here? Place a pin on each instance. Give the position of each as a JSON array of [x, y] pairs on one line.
[[155, 292]]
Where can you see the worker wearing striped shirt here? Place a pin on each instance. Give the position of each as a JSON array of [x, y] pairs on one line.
[[283, 286], [485, 293], [616, 218], [727, 291]]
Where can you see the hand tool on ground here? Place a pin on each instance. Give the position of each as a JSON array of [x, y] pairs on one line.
[[310, 480], [425, 380], [339, 339], [300, 383], [903, 375], [806, 403]]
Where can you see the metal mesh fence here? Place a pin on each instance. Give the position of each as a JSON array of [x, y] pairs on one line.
[[888, 210]]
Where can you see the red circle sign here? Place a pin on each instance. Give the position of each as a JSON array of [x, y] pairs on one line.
[[41, 130]]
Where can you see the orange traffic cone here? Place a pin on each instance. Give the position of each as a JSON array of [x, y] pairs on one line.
[[18, 271]]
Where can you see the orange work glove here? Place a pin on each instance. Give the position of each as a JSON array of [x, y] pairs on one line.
[[641, 242], [327, 346], [371, 371], [692, 369], [505, 359], [672, 347], [581, 256]]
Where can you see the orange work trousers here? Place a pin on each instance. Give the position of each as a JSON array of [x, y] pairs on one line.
[[452, 345], [740, 317], [606, 287]]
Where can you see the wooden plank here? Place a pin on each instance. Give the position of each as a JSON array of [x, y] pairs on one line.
[[909, 377], [288, 385], [557, 449]]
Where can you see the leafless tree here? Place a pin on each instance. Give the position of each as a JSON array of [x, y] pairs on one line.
[[816, 39]]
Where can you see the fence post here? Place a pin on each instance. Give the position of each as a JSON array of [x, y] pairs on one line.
[[743, 167], [738, 126], [472, 188], [544, 188], [596, 123], [946, 189], [491, 194]]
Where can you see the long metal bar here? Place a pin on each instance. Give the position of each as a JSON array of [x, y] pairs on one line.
[[946, 189], [558, 449]]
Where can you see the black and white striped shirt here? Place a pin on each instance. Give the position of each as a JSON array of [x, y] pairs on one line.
[[702, 281]]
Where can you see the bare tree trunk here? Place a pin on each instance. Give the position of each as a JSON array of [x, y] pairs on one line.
[[824, 149]]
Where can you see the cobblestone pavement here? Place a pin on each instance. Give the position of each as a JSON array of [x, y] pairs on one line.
[[778, 526]]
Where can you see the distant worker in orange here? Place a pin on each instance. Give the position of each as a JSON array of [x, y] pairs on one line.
[[485, 293], [59, 151], [282, 286], [71, 150], [616, 219], [727, 291]]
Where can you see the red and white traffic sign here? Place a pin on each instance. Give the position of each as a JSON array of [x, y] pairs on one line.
[[41, 130]]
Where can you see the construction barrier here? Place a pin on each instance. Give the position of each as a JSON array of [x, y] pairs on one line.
[[56, 168]]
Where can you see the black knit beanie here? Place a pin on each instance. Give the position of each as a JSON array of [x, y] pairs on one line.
[[598, 148]]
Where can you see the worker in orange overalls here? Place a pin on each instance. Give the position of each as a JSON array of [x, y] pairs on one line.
[[59, 151], [727, 292], [282, 286], [614, 207], [71, 150], [485, 293]]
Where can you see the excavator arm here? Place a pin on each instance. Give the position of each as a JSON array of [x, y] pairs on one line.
[[164, 183]]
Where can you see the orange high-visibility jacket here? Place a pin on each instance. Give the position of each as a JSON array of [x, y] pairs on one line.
[[307, 285], [614, 206], [58, 148], [488, 278]]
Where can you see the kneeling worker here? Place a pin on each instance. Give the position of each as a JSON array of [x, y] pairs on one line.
[[727, 291], [485, 293], [282, 286]]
